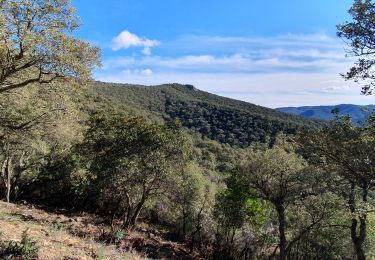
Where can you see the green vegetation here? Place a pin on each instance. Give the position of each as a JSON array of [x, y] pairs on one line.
[[221, 119], [224, 178], [26, 248], [359, 36]]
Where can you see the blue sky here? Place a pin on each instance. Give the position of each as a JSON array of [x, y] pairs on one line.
[[269, 52]]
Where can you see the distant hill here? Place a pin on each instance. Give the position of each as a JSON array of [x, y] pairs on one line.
[[218, 118], [358, 113]]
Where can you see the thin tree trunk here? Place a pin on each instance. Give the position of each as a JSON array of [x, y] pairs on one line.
[[184, 217], [4, 176], [136, 213], [8, 175]]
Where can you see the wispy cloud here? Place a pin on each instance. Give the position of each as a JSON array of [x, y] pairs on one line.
[[127, 40], [273, 71], [226, 44], [129, 73], [245, 63], [247, 55]]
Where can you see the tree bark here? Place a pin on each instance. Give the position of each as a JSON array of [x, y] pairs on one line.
[[136, 213], [282, 244], [6, 175], [358, 239]]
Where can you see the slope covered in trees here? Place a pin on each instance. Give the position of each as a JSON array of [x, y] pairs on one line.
[[218, 118]]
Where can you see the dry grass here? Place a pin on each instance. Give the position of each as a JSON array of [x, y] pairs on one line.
[[55, 234]]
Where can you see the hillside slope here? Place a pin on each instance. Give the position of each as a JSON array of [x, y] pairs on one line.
[[60, 234], [358, 113], [218, 118], [55, 236]]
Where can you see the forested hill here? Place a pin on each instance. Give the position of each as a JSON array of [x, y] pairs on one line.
[[218, 118], [357, 113]]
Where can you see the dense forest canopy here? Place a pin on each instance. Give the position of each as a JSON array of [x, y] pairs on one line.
[[217, 118]]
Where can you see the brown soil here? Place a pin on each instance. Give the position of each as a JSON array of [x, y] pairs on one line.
[[64, 235]]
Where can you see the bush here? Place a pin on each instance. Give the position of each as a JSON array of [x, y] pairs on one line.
[[119, 235], [27, 248]]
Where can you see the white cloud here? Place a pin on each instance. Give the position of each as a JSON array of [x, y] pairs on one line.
[[292, 42], [146, 51], [236, 62], [126, 40], [336, 88], [289, 52], [271, 71], [128, 73], [147, 72]]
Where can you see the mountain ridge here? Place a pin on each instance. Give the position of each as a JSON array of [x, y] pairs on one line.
[[324, 112]]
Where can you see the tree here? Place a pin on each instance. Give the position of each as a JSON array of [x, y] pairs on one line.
[[234, 208], [37, 46], [186, 193], [360, 34], [132, 161], [346, 153], [283, 179], [44, 134]]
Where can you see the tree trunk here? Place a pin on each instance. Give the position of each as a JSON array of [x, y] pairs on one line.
[[8, 186], [134, 218], [184, 219], [282, 244], [358, 246], [358, 239], [6, 175]]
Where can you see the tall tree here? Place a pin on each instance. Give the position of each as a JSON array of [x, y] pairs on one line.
[[346, 153], [37, 46], [360, 36], [283, 179], [39, 124], [132, 161]]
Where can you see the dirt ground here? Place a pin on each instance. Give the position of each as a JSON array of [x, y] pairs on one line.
[[69, 236]]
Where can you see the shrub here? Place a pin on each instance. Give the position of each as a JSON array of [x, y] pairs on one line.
[[27, 248]]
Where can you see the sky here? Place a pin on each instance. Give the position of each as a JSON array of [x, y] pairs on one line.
[[268, 52]]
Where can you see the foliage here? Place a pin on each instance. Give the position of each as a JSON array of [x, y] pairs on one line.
[[235, 211], [119, 235], [224, 177], [27, 248], [359, 34], [58, 226], [37, 45], [132, 161], [221, 119], [346, 153], [284, 180], [37, 124]]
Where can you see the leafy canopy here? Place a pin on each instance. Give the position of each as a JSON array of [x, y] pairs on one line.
[[37, 46]]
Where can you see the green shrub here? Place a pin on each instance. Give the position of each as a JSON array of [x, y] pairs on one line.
[[57, 226], [119, 235], [27, 248]]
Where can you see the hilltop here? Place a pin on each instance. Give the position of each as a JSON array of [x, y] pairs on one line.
[[218, 118]]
